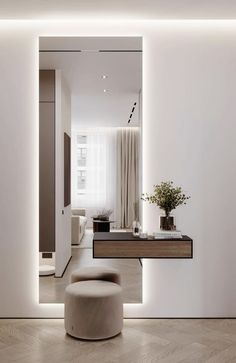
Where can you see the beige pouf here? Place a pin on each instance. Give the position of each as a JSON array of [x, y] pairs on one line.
[[96, 273], [93, 309]]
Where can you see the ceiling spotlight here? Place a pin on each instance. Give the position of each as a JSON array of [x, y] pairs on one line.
[[104, 76], [104, 90]]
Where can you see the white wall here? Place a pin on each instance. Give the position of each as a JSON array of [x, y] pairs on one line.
[[63, 221], [189, 136]]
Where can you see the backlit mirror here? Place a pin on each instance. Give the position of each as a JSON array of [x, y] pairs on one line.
[[90, 117]]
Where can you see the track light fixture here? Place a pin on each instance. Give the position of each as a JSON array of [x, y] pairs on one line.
[[132, 111]]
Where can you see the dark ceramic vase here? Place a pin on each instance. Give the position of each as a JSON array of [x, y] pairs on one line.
[[167, 223]]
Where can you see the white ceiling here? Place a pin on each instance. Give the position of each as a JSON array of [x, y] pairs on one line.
[[83, 71], [127, 9]]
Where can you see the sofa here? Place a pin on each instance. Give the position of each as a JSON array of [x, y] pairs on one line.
[[78, 225]]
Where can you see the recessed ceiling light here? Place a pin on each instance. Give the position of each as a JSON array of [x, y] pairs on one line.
[[105, 90], [104, 76]]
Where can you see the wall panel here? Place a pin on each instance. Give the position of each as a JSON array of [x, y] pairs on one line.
[[188, 135]]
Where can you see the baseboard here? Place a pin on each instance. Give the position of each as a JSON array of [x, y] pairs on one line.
[[59, 277]]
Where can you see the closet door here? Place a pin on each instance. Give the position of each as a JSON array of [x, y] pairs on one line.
[[47, 177], [46, 160]]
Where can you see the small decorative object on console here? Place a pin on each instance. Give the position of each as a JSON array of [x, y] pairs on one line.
[[143, 234], [167, 234], [136, 228]]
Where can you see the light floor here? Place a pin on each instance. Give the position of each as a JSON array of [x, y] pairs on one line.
[[51, 290], [141, 341]]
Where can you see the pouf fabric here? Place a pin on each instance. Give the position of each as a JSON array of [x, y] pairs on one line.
[[93, 309], [96, 273]]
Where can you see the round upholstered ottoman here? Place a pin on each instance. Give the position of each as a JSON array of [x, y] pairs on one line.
[[93, 309], [96, 273]]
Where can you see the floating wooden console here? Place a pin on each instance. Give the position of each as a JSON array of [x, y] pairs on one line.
[[125, 245]]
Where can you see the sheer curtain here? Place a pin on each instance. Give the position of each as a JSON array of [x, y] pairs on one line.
[[99, 171]]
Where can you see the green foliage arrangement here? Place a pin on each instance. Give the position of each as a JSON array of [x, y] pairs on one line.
[[166, 196]]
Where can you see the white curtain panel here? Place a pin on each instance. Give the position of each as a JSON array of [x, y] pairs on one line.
[[100, 190], [128, 166]]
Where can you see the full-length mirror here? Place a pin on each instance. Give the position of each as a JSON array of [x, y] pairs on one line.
[[90, 117]]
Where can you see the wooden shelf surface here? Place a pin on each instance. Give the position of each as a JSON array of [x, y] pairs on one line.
[[125, 245]]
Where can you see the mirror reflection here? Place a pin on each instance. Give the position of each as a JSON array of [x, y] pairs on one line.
[[90, 116]]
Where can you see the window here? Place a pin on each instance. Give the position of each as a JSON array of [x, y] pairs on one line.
[[81, 139], [81, 156], [81, 179], [81, 163], [94, 169]]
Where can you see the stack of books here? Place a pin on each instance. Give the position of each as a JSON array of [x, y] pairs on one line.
[[167, 234]]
